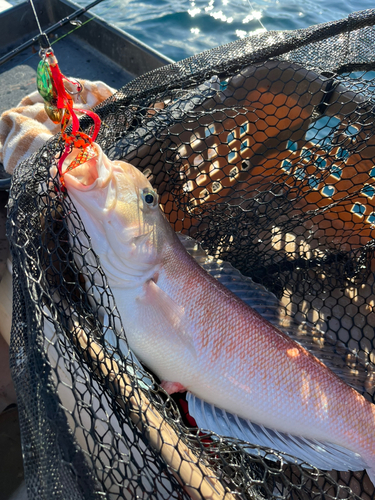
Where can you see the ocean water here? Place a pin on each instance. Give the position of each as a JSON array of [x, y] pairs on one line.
[[182, 28]]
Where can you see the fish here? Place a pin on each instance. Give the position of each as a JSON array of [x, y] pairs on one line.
[[244, 376]]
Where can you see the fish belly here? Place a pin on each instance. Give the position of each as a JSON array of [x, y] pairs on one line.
[[151, 335]]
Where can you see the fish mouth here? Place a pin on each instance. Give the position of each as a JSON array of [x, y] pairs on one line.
[[96, 171]]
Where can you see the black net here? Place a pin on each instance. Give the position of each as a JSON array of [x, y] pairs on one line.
[[263, 152]]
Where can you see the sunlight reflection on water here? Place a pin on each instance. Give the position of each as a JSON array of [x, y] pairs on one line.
[[182, 28]]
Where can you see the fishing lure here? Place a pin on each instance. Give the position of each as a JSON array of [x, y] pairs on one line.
[[58, 104]]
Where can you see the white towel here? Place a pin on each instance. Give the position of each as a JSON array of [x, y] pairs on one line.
[[25, 128]]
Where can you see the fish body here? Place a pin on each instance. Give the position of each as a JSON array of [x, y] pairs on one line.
[[196, 334]]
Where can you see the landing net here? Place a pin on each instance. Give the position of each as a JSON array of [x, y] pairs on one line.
[[263, 151]]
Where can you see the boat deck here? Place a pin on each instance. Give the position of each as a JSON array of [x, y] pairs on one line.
[[94, 51], [76, 58]]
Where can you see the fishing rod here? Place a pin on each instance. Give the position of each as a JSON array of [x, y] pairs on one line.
[[42, 37]]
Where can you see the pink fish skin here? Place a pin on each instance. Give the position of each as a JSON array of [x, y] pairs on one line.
[[192, 331]]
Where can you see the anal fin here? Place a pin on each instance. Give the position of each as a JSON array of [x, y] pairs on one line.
[[322, 455]]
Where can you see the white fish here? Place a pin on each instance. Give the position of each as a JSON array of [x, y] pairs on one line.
[[198, 336]]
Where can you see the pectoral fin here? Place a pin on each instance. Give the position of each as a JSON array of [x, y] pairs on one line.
[[172, 314]]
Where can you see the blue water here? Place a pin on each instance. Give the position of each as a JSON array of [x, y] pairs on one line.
[[182, 28]]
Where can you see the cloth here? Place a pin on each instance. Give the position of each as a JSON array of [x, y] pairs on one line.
[[25, 128]]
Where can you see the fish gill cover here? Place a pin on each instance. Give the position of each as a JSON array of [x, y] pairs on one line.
[[263, 152]]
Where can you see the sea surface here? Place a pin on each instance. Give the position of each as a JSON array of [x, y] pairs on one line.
[[182, 28]]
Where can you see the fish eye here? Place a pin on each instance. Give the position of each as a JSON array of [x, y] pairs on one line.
[[150, 197]]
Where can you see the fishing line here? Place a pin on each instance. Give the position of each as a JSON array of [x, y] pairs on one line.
[[36, 17], [260, 22], [73, 30], [58, 39]]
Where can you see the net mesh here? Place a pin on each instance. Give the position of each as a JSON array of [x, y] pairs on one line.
[[262, 151]]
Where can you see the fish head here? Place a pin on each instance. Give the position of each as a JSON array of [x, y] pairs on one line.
[[120, 212]]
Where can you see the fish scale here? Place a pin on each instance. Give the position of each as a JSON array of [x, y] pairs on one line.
[[194, 333], [245, 351]]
